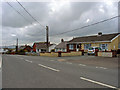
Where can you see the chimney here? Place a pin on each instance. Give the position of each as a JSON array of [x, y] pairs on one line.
[[25, 45], [62, 40], [100, 34]]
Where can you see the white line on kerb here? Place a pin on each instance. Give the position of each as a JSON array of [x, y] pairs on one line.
[[48, 67], [82, 64], [106, 85]]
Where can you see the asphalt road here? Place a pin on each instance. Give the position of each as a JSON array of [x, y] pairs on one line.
[[52, 72], [0, 71]]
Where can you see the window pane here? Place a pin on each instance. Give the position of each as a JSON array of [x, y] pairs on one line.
[[71, 46]]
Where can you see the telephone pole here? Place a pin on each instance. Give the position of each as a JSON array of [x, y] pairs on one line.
[[17, 46], [47, 38]]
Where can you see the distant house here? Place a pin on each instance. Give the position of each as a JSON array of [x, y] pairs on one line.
[[105, 41], [3, 50], [42, 47], [62, 46], [25, 48]]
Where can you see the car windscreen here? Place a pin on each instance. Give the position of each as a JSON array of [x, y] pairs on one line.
[[90, 48]]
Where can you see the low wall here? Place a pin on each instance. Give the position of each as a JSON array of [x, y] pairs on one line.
[[72, 54], [49, 54], [105, 54], [52, 54]]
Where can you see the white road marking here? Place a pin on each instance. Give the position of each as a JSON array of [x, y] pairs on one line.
[[68, 63], [82, 64], [21, 58], [28, 61], [101, 67], [96, 82], [48, 67]]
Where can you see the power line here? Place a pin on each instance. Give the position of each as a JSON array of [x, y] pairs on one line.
[[17, 11], [29, 13], [87, 25], [20, 14]]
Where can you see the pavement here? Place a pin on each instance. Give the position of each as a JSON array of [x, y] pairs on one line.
[[20, 71]]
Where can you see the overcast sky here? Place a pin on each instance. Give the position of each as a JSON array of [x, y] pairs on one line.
[[59, 16]]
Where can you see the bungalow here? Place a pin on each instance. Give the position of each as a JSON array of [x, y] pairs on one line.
[[42, 47], [104, 41], [61, 46]]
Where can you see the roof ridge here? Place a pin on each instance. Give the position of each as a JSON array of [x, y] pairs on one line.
[[96, 35]]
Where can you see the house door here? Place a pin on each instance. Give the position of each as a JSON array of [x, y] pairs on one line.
[[78, 47]]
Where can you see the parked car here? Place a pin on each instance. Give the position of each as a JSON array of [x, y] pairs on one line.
[[92, 50]]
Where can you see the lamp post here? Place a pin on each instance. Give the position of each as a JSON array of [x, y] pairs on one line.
[[17, 46]]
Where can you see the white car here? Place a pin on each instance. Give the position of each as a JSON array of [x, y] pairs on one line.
[[91, 50]]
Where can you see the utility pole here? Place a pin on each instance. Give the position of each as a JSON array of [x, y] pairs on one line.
[[47, 38], [17, 46]]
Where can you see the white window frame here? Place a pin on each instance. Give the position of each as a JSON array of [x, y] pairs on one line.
[[71, 46], [104, 46], [87, 46]]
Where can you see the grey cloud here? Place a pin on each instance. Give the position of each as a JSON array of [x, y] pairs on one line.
[[67, 17]]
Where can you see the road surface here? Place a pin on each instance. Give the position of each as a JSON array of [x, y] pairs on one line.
[[0, 71], [52, 72]]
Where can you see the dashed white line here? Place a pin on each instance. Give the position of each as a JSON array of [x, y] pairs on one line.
[[28, 61], [82, 64], [48, 67], [99, 83], [101, 67]]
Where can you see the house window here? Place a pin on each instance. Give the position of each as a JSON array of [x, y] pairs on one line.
[[43, 50], [119, 46], [104, 46], [37, 50], [71, 46], [63, 49], [56, 50], [87, 46]]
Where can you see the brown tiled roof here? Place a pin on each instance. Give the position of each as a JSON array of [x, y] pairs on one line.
[[62, 45], [104, 37], [21, 47], [42, 45]]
